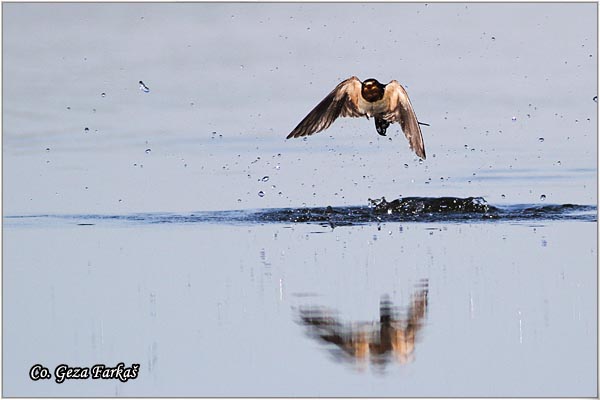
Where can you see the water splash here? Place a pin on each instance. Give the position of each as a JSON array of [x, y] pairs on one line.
[[143, 87], [408, 209], [420, 205]]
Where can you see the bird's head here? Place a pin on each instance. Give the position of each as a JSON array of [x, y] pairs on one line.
[[372, 90]]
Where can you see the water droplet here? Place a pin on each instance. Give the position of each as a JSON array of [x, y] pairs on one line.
[[493, 37], [47, 148], [543, 197], [558, 163], [503, 196], [261, 194], [265, 179], [595, 99], [103, 94], [143, 87], [148, 151], [277, 167], [541, 140], [68, 108], [405, 165], [86, 129], [514, 118]]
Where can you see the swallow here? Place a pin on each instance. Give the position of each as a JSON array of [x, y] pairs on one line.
[[353, 98], [395, 333]]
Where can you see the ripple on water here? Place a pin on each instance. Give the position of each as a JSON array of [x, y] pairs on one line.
[[407, 209]]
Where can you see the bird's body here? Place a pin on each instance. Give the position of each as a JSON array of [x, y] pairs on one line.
[[352, 98]]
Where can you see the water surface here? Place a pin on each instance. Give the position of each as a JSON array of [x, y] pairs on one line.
[[176, 228], [223, 309]]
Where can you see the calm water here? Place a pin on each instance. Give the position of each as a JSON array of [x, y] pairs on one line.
[[177, 229]]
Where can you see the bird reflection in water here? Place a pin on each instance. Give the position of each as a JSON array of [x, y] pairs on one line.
[[392, 338]]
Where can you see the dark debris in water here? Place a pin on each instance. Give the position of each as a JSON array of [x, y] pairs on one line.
[[408, 209]]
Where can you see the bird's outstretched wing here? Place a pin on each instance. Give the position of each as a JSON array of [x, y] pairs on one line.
[[401, 111], [341, 102]]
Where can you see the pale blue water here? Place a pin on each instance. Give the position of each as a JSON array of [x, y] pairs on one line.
[[180, 231]]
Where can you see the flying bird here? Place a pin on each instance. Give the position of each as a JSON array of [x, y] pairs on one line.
[[353, 98]]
